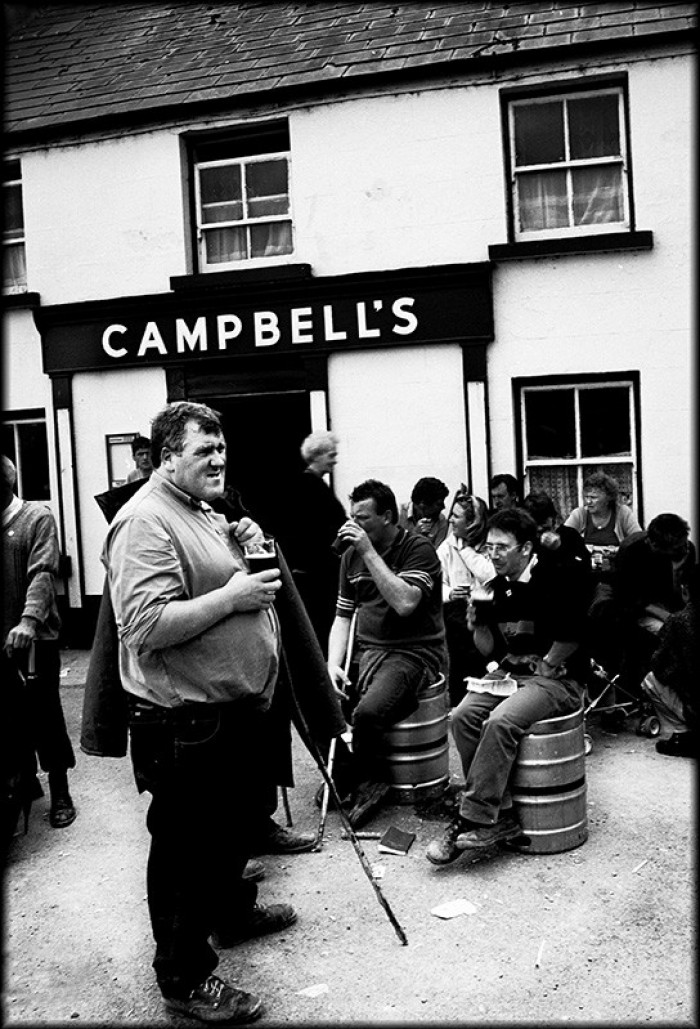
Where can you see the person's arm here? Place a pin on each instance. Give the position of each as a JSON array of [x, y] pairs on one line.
[[626, 522], [577, 519], [400, 595], [338, 642], [42, 569]]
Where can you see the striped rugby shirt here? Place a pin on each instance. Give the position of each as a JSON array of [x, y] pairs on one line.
[[414, 559]]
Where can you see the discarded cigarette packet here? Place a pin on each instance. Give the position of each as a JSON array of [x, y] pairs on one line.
[[396, 841]]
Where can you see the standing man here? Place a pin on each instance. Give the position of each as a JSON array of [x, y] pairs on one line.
[[30, 630], [199, 654], [394, 578], [534, 632], [505, 492]]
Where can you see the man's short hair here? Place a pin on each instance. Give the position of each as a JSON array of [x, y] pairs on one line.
[[541, 506], [517, 522], [169, 426], [9, 472], [140, 443], [380, 493], [667, 530], [507, 480], [429, 491], [318, 443]]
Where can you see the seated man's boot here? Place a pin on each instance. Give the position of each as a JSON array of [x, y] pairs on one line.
[[62, 811], [680, 744]]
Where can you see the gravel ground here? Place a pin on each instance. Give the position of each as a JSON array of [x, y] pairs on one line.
[[600, 935]]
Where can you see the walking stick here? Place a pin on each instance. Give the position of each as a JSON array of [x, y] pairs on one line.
[[332, 746], [285, 802]]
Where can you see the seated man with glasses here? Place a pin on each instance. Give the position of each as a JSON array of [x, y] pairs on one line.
[[533, 633]]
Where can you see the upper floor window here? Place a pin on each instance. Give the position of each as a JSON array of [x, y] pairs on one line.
[[242, 197], [569, 170], [14, 266], [569, 429]]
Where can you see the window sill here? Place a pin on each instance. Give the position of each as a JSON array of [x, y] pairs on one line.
[[244, 277], [595, 244], [14, 300]]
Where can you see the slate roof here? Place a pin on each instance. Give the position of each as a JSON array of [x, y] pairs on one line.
[[71, 67]]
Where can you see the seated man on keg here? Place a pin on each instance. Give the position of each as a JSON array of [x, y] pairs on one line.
[[532, 629], [393, 578]]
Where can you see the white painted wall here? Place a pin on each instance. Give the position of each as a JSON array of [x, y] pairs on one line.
[[104, 219], [105, 404], [398, 181], [398, 420]]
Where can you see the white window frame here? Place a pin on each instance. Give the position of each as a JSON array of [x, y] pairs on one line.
[[583, 465], [568, 165], [18, 285], [13, 422], [245, 222]]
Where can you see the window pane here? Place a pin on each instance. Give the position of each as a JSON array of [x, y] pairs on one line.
[[8, 442], [539, 133], [622, 474], [268, 206], [605, 422], [560, 483], [223, 245], [550, 424], [594, 127], [213, 213], [14, 219], [266, 178], [597, 195], [542, 201], [14, 267], [34, 461], [219, 185], [271, 240]]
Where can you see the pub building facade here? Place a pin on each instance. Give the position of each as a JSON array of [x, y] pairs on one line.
[[458, 234]]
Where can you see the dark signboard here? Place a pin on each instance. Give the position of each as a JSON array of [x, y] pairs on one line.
[[408, 307]]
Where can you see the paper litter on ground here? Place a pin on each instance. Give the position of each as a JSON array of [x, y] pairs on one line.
[[452, 908], [314, 991]]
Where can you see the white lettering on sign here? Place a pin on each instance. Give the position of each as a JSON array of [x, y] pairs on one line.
[[267, 331], [152, 339], [224, 334], [329, 332], [301, 320], [191, 337], [298, 325], [109, 350], [397, 309]]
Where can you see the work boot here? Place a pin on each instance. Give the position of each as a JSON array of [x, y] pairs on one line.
[[367, 801], [215, 1001], [62, 811], [276, 840], [254, 871], [476, 836], [680, 744], [261, 921], [444, 850]]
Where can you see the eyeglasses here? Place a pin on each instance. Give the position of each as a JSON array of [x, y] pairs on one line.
[[500, 548]]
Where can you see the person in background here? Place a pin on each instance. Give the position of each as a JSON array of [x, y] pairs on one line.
[[463, 563], [603, 520], [672, 682], [141, 452], [553, 537], [393, 578], [649, 568], [31, 626], [425, 515], [505, 492], [313, 515]]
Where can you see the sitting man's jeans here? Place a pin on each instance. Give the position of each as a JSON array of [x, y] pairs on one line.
[[389, 682], [197, 762], [487, 731]]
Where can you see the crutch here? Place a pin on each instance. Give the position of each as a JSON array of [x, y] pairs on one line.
[[331, 748]]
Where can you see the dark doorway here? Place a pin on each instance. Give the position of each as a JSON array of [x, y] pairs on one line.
[[263, 433]]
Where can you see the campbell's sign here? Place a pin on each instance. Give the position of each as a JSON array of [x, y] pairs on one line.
[[415, 306], [229, 332]]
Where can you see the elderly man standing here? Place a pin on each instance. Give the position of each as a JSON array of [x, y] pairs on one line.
[[393, 577], [199, 653], [534, 631], [30, 629]]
